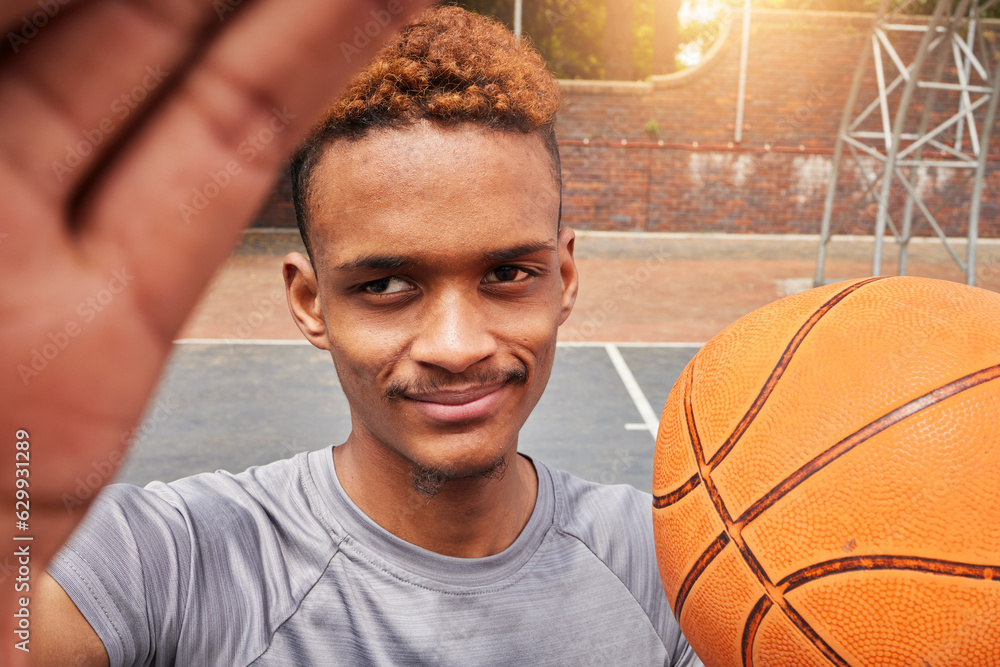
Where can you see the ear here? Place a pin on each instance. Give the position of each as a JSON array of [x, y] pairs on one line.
[[567, 270], [303, 299]]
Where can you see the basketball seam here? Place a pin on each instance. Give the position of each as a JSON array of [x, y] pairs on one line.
[[779, 370], [757, 615], [935, 566], [860, 436], [707, 556], [668, 499]]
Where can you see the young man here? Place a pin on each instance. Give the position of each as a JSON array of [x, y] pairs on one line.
[[437, 278]]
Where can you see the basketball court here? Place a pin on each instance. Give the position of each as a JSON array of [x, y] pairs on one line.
[[243, 387]]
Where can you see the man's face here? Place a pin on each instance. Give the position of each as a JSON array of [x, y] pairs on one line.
[[441, 279]]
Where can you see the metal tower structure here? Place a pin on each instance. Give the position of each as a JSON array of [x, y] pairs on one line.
[[936, 112]]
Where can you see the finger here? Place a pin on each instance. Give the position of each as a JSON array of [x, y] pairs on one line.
[[172, 205], [84, 78]]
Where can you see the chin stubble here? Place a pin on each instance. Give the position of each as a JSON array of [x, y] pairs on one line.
[[428, 481]]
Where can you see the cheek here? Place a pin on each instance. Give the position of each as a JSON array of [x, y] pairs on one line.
[[534, 344], [362, 343], [534, 325], [359, 359]]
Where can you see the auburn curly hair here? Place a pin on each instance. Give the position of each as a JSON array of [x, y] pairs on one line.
[[448, 66]]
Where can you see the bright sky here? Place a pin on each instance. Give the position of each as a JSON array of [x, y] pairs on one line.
[[696, 11], [699, 10]]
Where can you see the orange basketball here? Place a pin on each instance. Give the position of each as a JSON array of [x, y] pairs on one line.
[[827, 481]]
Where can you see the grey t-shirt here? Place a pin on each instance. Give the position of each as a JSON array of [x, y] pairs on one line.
[[277, 566]]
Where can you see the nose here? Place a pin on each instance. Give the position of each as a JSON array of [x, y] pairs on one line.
[[453, 333]]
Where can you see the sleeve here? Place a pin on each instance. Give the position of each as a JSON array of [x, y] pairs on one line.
[[683, 655], [127, 569]]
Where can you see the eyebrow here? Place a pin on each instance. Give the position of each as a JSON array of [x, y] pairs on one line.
[[507, 254], [397, 262], [376, 263]]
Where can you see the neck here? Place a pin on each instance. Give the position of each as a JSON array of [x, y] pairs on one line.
[[467, 518]]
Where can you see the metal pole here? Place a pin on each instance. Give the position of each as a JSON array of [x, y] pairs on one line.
[[838, 152], [967, 70], [897, 130], [517, 17], [914, 172], [744, 56], [977, 187]]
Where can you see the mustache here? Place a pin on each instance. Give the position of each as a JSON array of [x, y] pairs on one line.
[[513, 376]]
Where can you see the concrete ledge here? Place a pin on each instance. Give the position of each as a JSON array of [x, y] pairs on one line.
[[772, 247], [597, 86]]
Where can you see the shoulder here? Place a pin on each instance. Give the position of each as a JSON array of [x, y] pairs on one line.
[[252, 516], [221, 497], [275, 489], [201, 514], [152, 568]]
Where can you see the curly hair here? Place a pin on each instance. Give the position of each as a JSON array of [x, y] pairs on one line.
[[448, 66]]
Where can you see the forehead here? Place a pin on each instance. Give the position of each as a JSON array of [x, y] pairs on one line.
[[432, 191]]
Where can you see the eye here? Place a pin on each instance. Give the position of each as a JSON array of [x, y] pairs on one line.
[[388, 285], [506, 274]]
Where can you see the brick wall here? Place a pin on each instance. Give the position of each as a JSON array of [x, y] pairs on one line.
[[692, 177]]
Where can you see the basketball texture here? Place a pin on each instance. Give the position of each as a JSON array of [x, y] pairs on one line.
[[827, 481]]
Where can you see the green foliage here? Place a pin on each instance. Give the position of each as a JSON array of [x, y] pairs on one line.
[[568, 33], [643, 12]]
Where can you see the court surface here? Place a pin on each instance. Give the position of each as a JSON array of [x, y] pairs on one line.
[[233, 405]]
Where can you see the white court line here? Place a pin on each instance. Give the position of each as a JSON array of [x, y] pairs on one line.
[[633, 388], [283, 341]]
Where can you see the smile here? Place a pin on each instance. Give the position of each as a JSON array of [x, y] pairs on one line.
[[458, 406]]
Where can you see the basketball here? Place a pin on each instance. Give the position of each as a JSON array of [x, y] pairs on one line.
[[827, 481]]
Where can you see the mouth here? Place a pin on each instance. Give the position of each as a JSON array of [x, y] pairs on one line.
[[455, 406]]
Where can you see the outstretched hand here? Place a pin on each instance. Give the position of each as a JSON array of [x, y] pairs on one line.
[[136, 141]]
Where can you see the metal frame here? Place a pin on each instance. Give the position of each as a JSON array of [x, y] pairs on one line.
[[926, 85], [741, 93]]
